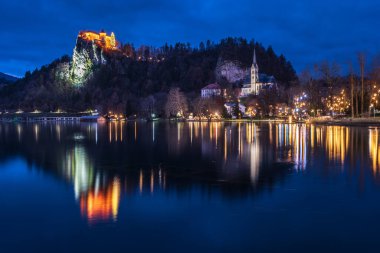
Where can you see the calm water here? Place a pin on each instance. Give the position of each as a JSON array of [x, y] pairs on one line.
[[188, 187]]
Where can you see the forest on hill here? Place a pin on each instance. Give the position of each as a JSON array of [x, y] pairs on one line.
[[127, 80]]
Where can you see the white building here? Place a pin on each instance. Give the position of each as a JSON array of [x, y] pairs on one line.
[[211, 90], [255, 82]]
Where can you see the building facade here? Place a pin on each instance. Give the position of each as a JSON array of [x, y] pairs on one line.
[[212, 90]]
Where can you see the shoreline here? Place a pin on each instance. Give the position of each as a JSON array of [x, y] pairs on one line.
[[356, 122], [359, 122]]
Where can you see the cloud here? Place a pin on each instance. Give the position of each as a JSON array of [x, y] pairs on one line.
[[36, 32]]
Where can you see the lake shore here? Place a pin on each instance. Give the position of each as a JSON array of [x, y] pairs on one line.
[[363, 122], [347, 121]]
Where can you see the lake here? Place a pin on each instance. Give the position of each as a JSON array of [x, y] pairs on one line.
[[188, 187]]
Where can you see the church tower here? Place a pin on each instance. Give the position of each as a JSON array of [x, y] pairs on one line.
[[254, 75]]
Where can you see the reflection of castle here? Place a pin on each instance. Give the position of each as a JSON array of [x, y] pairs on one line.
[[98, 194], [213, 151], [99, 198], [101, 39], [101, 204]]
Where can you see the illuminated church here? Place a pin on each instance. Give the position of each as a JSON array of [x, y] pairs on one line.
[[256, 82]]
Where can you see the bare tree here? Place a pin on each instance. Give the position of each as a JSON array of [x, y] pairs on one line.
[[361, 60], [147, 106], [329, 74], [375, 69], [176, 103], [198, 106], [313, 91], [352, 83], [356, 98]]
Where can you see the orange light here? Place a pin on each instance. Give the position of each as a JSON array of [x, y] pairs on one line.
[[101, 39], [103, 204]]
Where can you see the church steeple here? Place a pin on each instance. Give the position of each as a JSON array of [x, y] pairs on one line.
[[254, 74], [254, 63]]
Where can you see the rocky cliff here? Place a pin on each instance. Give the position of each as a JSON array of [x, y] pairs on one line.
[[86, 56], [232, 71]]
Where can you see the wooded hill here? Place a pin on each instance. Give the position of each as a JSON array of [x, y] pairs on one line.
[[122, 82]]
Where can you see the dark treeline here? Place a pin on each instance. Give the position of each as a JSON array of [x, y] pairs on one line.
[[135, 77]]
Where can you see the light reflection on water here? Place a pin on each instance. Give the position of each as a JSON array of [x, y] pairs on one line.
[[374, 150], [110, 161]]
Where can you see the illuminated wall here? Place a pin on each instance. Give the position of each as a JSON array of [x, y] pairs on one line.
[[101, 39]]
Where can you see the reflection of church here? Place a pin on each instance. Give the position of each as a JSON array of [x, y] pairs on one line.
[[256, 82]]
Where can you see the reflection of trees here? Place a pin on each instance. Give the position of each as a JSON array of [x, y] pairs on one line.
[[291, 143], [235, 153], [328, 147], [91, 156], [105, 161], [61, 150], [337, 140]]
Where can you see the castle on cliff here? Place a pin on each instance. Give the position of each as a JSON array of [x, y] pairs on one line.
[[101, 39]]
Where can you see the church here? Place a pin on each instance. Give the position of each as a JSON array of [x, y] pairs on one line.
[[256, 82]]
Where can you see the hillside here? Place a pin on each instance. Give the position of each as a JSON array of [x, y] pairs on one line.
[[6, 79], [120, 78]]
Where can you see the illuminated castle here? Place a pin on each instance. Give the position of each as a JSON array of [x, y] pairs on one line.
[[101, 39]]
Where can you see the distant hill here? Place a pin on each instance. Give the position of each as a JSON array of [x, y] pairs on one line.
[[7, 79]]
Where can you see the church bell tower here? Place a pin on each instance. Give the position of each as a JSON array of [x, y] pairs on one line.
[[254, 74]]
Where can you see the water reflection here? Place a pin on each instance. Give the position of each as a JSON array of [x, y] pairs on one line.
[[108, 162], [115, 131], [101, 203], [374, 150], [337, 141], [99, 198], [291, 142]]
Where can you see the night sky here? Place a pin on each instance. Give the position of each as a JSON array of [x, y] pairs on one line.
[[33, 33]]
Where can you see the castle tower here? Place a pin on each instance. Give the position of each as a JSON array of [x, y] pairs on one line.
[[254, 74], [113, 40]]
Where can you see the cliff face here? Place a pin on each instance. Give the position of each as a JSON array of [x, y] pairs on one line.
[[230, 70], [86, 57]]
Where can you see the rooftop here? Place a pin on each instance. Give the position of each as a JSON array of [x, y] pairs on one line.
[[211, 86]]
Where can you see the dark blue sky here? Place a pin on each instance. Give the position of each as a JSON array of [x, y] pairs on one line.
[[37, 31]]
